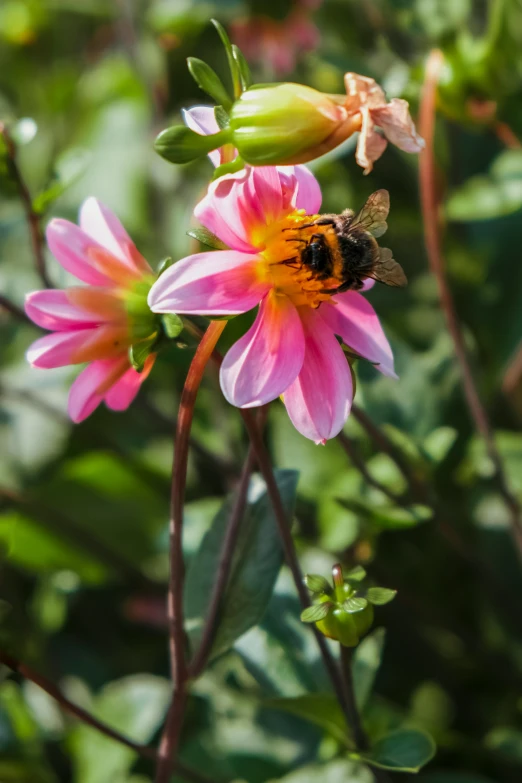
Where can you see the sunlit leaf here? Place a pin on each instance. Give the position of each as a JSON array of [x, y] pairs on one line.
[[405, 750]]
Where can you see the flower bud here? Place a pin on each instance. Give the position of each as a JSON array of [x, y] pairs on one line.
[[343, 612], [288, 124]]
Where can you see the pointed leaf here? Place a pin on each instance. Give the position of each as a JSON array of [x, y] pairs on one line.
[[256, 563], [322, 709], [353, 605], [244, 70], [366, 661], [405, 750], [222, 117], [317, 583], [180, 144], [208, 80], [206, 237], [357, 574], [172, 324], [312, 614], [139, 352], [232, 63], [380, 595]]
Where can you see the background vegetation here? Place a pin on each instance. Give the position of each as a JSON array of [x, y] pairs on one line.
[[84, 88]]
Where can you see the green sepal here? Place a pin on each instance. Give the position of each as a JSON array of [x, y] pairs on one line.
[[208, 80], [317, 584], [380, 595], [139, 352], [172, 325], [232, 63], [222, 117], [164, 264], [229, 168], [353, 605], [312, 614], [357, 574], [244, 71], [180, 144], [207, 238]]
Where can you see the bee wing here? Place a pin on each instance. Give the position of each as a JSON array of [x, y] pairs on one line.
[[387, 270], [372, 217]]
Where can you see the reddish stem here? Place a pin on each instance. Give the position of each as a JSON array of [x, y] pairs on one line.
[[170, 739], [432, 237]]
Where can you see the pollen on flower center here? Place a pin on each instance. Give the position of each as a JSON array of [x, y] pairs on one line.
[[282, 266]]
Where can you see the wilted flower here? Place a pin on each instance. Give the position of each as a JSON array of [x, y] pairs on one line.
[[99, 322], [291, 349], [366, 98]]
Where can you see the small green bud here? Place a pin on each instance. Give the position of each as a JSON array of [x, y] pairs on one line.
[[180, 144], [343, 612], [288, 123]]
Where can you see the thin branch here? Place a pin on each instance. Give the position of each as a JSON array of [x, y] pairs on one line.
[[429, 201], [507, 135], [32, 217], [359, 734], [14, 310], [170, 738], [86, 717]]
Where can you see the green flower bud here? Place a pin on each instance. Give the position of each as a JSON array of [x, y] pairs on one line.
[[344, 612], [288, 124]]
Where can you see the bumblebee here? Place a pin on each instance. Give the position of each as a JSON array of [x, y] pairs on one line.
[[344, 247]]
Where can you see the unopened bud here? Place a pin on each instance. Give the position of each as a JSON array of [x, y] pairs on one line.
[[343, 612], [288, 124]]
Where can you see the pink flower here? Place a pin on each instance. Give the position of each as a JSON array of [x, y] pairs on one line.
[[96, 323], [273, 43], [366, 97], [292, 348]]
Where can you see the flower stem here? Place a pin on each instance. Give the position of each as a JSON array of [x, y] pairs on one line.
[[170, 738], [86, 717], [358, 732], [429, 202], [32, 218]]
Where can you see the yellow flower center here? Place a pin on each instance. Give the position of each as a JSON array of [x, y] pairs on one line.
[[281, 246]]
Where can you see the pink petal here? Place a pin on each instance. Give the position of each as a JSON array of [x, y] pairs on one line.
[[53, 310], [395, 120], [98, 222], [71, 247], [368, 284], [203, 120], [354, 319], [120, 396], [306, 192], [85, 394], [227, 212], [267, 359], [370, 144], [57, 349], [223, 282], [319, 400]]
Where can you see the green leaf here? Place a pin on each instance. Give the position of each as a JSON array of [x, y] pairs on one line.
[[405, 750], [180, 144], [366, 661], [68, 169], [490, 196], [256, 563], [172, 324], [356, 574], [139, 352], [208, 80], [244, 71], [389, 517], [380, 595], [506, 741], [206, 237], [353, 605], [222, 117], [164, 264], [336, 771], [134, 706], [322, 709], [317, 583], [312, 614], [232, 62]]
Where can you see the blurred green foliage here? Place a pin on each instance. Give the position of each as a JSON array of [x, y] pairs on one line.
[[85, 87]]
